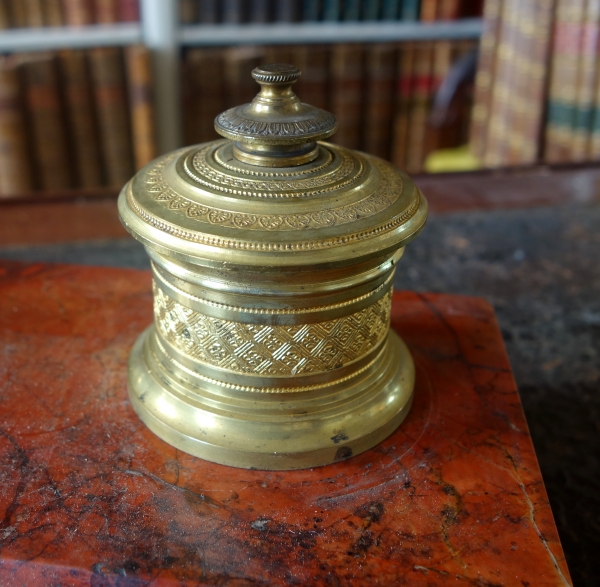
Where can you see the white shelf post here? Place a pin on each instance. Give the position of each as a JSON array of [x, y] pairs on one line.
[[160, 29]]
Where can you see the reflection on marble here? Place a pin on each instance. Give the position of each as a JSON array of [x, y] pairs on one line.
[[88, 496]]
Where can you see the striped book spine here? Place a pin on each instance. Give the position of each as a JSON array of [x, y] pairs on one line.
[[586, 89], [15, 168], [498, 133], [484, 79], [562, 99], [404, 92]]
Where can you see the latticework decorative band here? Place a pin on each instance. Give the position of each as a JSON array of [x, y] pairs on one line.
[[272, 350]]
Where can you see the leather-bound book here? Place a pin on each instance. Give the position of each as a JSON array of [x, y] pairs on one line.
[[129, 10], [281, 54], [15, 165], [485, 77], [208, 11], [379, 98], [5, 21], [18, 13], [498, 129], [78, 12], [410, 10], [535, 81], [429, 10], [404, 91], [106, 11], [240, 88], [449, 9], [108, 78], [585, 100], [438, 135], [46, 121], [141, 104], [34, 13], [261, 11], [420, 106], [233, 11], [188, 11], [313, 62], [53, 13], [562, 98], [346, 104], [287, 10], [80, 116], [203, 93]]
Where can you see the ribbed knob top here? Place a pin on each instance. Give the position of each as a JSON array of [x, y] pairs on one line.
[[276, 73], [276, 129]]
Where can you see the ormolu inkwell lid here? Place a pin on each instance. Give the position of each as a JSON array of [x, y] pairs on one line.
[[273, 257]]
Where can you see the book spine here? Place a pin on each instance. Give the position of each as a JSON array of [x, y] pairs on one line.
[[379, 98], [404, 92], [81, 123], [15, 166], [372, 10], [449, 9], [106, 11], [18, 13], [53, 13], [205, 93], [78, 12], [534, 77], [311, 10], [287, 11], [390, 9], [587, 83], [352, 10], [439, 136], [517, 91], [563, 80], [129, 10], [484, 79], [420, 105], [5, 22], [208, 12], [429, 10], [332, 10], [240, 88], [34, 13], [498, 132], [108, 79], [313, 61], [347, 93], [411, 10], [47, 124], [188, 11], [281, 54], [260, 11], [233, 11], [141, 104]]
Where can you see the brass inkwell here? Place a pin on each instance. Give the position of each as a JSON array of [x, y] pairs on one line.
[[273, 258]]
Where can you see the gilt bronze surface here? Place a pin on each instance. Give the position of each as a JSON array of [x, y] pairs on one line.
[[273, 257]]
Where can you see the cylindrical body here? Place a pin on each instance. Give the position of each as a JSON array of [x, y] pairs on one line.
[[270, 346]]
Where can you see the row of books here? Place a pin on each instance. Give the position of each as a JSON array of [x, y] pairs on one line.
[[40, 13], [537, 91], [262, 11], [381, 93], [74, 119]]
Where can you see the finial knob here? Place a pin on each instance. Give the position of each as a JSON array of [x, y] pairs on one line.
[[276, 73], [276, 129]]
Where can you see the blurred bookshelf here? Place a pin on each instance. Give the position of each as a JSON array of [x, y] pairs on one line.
[[127, 63]]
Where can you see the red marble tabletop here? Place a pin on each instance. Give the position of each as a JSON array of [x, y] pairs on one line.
[[88, 496]]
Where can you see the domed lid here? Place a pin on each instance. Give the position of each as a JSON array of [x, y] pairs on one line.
[[271, 195]]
